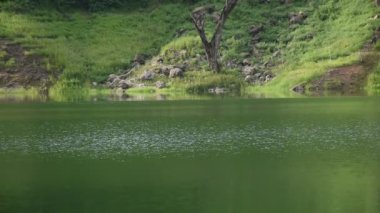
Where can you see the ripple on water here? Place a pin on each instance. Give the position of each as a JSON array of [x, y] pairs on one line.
[[148, 138]]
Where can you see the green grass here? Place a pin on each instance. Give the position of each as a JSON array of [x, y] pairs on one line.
[[373, 84], [87, 47], [90, 46], [339, 29]]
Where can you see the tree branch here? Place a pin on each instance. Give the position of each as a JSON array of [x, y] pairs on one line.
[[228, 7]]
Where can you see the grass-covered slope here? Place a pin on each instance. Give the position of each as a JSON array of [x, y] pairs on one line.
[[338, 29], [88, 46]]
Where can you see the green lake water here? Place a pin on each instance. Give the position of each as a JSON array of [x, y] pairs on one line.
[[316, 155]]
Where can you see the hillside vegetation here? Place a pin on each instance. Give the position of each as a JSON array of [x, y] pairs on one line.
[[85, 43]]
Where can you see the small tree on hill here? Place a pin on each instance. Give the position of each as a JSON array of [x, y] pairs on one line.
[[212, 47]]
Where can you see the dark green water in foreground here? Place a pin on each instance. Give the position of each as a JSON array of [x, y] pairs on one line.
[[285, 155]]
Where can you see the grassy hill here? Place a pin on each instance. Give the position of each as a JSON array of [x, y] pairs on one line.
[[86, 46]]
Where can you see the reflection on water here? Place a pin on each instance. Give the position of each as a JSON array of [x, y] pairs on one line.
[[291, 155], [94, 96], [11, 98]]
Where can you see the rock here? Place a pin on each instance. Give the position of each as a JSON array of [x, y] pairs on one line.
[[246, 62], [249, 79], [94, 84], [299, 89], [297, 18], [160, 60], [124, 84], [147, 76], [257, 76], [176, 72], [268, 78], [248, 70], [165, 70], [140, 59], [160, 84], [232, 64], [113, 82], [112, 77]]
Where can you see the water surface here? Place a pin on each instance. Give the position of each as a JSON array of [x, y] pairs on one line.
[[232, 155]]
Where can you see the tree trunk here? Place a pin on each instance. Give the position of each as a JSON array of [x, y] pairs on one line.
[[377, 2], [212, 47], [212, 53]]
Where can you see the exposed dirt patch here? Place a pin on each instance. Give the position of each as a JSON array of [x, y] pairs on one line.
[[20, 69], [347, 80]]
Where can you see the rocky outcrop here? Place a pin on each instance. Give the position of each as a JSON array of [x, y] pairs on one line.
[[256, 74], [115, 81], [155, 68]]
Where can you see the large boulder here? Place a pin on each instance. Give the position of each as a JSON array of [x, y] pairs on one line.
[[165, 70], [176, 72]]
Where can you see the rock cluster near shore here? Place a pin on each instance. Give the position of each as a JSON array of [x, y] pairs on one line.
[[155, 70]]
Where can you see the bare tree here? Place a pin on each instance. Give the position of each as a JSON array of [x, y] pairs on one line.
[[212, 47]]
